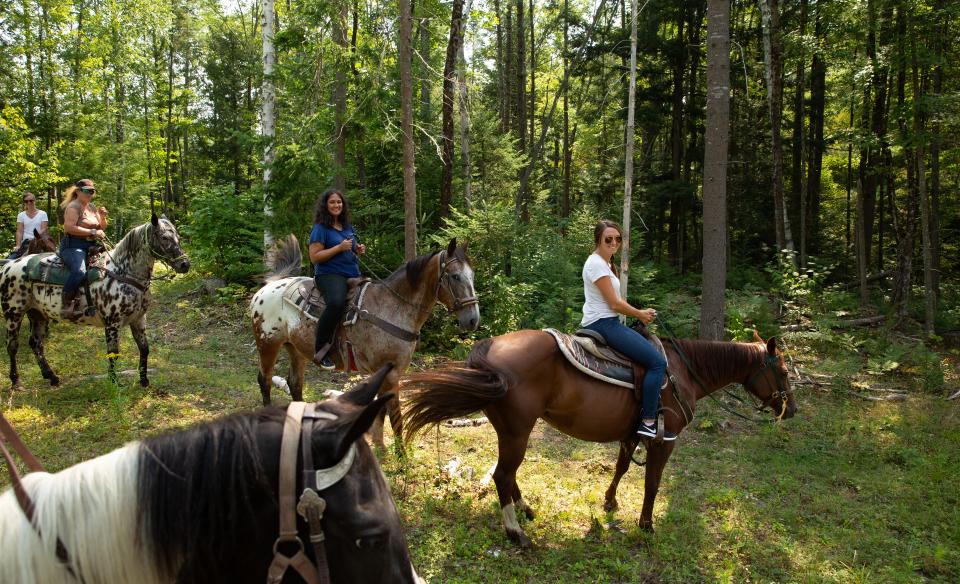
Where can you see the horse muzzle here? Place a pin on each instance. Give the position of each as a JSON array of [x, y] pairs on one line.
[[181, 265], [469, 317]]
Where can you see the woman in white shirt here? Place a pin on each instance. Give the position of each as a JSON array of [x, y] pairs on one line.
[[29, 219], [601, 309]]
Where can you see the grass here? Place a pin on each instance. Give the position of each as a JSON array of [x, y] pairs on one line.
[[848, 491]]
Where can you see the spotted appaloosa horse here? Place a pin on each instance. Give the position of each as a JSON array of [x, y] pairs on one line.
[[403, 300], [121, 297]]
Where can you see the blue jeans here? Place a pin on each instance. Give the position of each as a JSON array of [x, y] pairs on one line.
[[634, 345], [73, 252]]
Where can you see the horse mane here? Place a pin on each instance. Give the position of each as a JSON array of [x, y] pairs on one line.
[[198, 486], [720, 360], [130, 244]]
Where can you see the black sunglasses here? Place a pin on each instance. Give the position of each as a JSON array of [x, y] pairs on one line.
[[88, 190], [29, 200], [609, 239]]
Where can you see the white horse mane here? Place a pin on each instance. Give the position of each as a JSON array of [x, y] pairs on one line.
[[92, 508]]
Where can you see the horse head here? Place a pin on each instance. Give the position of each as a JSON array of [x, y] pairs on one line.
[[42, 242], [164, 243], [770, 383], [364, 537], [455, 288]]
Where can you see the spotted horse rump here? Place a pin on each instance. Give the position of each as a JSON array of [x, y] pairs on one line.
[[119, 296]]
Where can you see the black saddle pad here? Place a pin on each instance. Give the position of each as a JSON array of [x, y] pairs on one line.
[[590, 364]]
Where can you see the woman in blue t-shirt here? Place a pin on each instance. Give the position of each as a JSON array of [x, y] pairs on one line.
[[333, 251]]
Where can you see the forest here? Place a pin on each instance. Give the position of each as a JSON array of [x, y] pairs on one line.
[[790, 167]]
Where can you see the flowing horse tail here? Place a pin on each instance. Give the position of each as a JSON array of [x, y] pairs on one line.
[[284, 259], [453, 391]]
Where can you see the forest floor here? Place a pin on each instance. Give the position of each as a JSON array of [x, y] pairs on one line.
[[850, 490]]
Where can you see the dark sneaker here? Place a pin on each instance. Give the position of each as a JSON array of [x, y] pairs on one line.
[[650, 431], [325, 363]]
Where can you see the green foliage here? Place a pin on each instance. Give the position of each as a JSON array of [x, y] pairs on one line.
[[225, 232], [797, 288]]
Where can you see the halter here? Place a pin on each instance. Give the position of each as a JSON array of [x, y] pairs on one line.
[[310, 506], [458, 303], [782, 392]]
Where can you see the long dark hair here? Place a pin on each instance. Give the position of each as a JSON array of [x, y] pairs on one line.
[[320, 214], [598, 233]]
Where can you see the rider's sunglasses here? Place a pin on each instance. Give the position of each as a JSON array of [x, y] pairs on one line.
[[88, 190], [610, 239], [29, 200]]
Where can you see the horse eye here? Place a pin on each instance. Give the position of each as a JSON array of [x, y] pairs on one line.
[[456, 277], [373, 542]]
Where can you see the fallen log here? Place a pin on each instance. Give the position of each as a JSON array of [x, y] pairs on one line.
[[892, 397], [464, 422], [865, 321]]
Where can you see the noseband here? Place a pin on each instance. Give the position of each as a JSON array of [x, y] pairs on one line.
[[299, 425], [458, 303], [782, 392]]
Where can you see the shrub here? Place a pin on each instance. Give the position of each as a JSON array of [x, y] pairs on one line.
[[225, 232]]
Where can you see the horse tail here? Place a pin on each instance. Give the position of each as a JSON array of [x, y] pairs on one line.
[[453, 391], [284, 259]]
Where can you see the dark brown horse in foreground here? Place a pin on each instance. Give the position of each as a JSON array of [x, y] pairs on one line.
[[522, 376]]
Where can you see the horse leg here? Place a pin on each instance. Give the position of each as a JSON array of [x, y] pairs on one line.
[[298, 366], [39, 326], [623, 465], [657, 455], [13, 343], [512, 449], [520, 504], [139, 331], [267, 352], [112, 332]]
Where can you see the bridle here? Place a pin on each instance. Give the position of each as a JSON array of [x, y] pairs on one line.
[[458, 303], [299, 425], [769, 364]]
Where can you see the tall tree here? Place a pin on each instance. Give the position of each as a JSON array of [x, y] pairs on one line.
[[406, 128], [628, 155], [269, 122], [464, 108], [449, 72], [773, 65], [339, 18], [715, 171]]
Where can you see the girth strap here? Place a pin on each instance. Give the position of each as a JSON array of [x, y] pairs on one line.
[[388, 327], [126, 279]]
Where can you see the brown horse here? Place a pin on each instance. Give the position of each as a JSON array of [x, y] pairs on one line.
[[39, 243], [386, 329], [522, 376]]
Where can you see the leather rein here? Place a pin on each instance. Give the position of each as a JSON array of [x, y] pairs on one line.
[[301, 420], [9, 435]]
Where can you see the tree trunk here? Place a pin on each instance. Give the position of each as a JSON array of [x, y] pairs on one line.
[[712, 311], [425, 104], [269, 122], [464, 113], [522, 211], [565, 198], [453, 46], [798, 198], [339, 34], [818, 77], [919, 130], [628, 156], [770, 12], [406, 127]]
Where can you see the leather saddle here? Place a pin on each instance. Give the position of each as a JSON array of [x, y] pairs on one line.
[[48, 268], [308, 299], [588, 351]]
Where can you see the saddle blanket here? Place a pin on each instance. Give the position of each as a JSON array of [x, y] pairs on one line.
[[590, 364], [47, 268]]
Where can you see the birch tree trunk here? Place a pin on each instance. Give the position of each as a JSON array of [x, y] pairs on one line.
[[717, 139], [628, 156], [268, 121], [406, 127]]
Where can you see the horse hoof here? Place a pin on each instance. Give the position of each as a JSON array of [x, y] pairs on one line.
[[611, 505], [528, 511], [54, 381], [521, 539], [646, 525]]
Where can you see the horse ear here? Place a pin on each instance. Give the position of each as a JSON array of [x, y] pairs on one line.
[[154, 219], [452, 247], [756, 337], [363, 394], [772, 346], [36, 234], [361, 423]]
